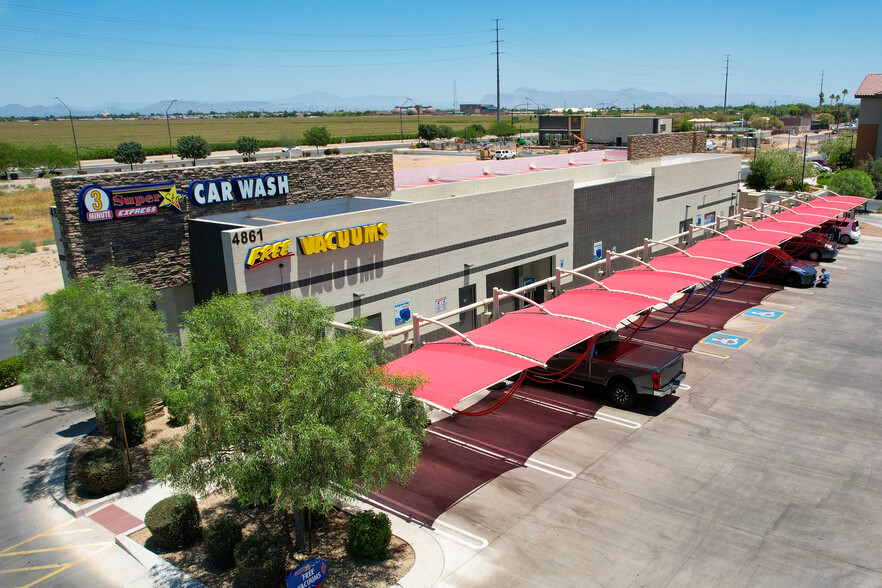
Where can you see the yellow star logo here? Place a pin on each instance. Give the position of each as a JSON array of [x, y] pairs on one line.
[[171, 198]]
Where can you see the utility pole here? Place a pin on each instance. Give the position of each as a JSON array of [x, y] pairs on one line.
[[496, 20], [821, 94], [725, 96]]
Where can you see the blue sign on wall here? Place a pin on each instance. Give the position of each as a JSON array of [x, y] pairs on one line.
[[309, 574], [765, 313], [726, 340]]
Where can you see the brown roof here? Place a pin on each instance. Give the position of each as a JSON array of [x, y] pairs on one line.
[[870, 87]]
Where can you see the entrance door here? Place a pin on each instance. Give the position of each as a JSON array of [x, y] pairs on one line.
[[467, 320]]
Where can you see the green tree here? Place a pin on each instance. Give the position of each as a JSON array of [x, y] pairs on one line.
[[852, 182], [317, 137], [428, 132], [247, 146], [779, 164], [758, 121], [873, 167], [759, 177], [192, 147], [101, 343], [129, 152], [445, 132], [684, 125], [48, 158], [838, 150], [8, 158], [284, 410], [469, 133], [502, 130], [826, 118], [747, 113]]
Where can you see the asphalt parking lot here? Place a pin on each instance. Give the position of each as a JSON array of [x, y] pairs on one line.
[[764, 472]]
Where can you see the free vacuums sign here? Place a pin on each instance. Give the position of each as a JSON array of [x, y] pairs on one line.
[[101, 203]]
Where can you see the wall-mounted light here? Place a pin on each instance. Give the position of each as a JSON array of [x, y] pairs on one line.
[[469, 265]]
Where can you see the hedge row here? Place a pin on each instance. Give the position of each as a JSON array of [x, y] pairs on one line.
[[107, 152]]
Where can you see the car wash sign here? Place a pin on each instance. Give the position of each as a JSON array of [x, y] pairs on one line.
[[203, 193], [101, 203]]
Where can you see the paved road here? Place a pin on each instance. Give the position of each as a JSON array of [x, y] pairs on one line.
[[40, 544], [9, 329], [765, 473]]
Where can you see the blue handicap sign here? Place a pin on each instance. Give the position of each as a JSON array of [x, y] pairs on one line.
[[765, 313], [726, 340]]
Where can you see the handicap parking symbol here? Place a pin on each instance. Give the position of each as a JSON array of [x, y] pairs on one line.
[[726, 340], [765, 313]]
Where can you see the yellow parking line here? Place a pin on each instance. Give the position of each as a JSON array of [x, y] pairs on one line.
[[47, 534], [46, 567], [63, 547], [66, 566], [43, 534]]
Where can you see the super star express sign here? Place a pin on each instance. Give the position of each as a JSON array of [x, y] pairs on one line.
[[99, 203]]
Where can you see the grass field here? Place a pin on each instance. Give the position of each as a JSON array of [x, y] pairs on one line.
[[30, 224], [110, 133]]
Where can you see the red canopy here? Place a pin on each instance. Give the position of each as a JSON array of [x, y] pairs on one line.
[[659, 284], [729, 250], [768, 237], [599, 305], [534, 333], [457, 370], [680, 262], [795, 226]]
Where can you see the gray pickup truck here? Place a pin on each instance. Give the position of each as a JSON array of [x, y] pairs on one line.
[[625, 369]]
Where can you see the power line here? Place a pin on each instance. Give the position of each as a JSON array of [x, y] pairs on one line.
[[261, 33], [219, 64], [91, 37]]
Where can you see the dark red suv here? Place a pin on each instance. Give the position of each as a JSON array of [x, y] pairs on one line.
[[811, 246]]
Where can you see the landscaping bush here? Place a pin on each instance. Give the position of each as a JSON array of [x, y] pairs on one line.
[[332, 151], [260, 559], [134, 423], [176, 403], [369, 535], [103, 471], [10, 369], [221, 539], [175, 522]]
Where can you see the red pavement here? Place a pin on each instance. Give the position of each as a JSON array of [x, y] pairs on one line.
[[115, 519]]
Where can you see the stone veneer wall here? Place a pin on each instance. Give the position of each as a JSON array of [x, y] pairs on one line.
[[157, 247], [660, 145]]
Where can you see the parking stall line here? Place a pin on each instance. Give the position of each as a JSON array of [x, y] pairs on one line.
[[576, 412], [67, 566]]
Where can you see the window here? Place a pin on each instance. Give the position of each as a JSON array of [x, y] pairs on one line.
[[663, 127]]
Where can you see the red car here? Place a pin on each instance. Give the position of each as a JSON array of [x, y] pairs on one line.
[[811, 246]]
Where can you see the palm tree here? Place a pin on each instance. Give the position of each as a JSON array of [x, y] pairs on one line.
[[844, 94]]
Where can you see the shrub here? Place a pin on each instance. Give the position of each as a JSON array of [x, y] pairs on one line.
[[10, 369], [103, 471], [260, 559], [221, 539], [176, 403], [134, 423], [369, 535], [175, 522]]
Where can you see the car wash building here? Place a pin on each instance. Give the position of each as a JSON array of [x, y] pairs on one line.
[[373, 243]]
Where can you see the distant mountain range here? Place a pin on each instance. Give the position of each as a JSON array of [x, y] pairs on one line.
[[323, 101]]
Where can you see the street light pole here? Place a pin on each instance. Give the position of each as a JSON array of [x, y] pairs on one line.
[[168, 126], [401, 120], [77, 149]]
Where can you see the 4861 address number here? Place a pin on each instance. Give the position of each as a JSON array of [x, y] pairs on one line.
[[246, 237]]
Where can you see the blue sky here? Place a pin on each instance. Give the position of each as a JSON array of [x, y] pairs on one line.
[[91, 52]]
